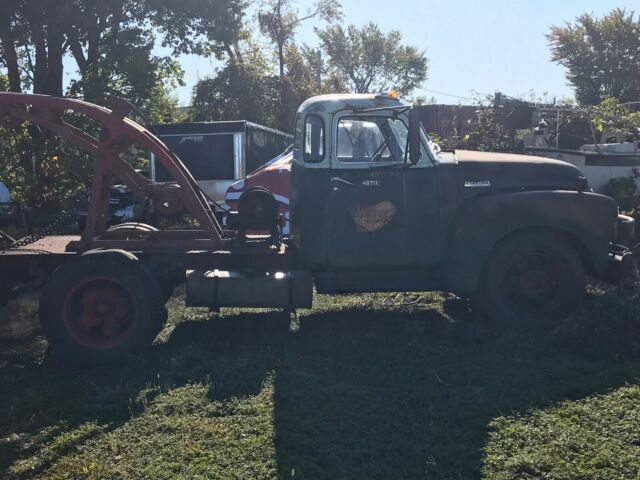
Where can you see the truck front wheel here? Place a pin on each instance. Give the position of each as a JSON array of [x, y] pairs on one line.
[[99, 307], [531, 279]]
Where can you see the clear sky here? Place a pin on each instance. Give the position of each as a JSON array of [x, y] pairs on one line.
[[480, 46]]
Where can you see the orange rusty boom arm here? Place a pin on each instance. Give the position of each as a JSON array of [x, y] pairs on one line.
[[118, 133]]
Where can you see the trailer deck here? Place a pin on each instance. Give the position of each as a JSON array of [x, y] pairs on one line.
[[49, 245], [52, 250]]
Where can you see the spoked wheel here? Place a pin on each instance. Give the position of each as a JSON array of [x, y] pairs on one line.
[[530, 282], [100, 313], [531, 279], [101, 306]]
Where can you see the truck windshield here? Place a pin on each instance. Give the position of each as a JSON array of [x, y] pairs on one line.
[[371, 139]]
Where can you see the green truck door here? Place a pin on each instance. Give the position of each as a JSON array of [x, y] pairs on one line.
[[366, 210]]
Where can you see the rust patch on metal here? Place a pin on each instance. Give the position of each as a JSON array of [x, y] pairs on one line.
[[117, 135], [371, 218]]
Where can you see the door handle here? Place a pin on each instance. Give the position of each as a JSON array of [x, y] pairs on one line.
[[341, 180]]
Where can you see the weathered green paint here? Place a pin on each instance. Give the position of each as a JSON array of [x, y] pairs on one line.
[[441, 216]]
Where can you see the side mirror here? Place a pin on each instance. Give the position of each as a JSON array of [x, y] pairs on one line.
[[415, 152]]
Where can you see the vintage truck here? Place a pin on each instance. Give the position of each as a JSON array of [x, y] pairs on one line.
[[374, 208]]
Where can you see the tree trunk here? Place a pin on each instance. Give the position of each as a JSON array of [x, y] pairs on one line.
[[281, 60], [55, 52], [7, 40]]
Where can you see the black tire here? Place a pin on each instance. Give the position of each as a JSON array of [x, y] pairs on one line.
[[530, 280], [100, 307], [258, 210]]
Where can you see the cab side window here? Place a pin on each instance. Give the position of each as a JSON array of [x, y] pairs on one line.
[[314, 139], [371, 139]]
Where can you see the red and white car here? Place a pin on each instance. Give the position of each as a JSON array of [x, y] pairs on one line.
[[274, 176]]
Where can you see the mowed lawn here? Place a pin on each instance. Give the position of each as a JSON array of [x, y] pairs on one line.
[[362, 387]]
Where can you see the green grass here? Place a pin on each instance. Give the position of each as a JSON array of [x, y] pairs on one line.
[[361, 387]]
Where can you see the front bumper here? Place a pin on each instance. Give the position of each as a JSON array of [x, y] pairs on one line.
[[622, 266], [622, 269]]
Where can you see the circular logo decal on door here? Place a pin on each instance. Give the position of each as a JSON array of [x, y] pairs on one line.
[[371, 218]]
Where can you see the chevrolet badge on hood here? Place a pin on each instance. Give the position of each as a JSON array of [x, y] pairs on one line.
[[477, 183]]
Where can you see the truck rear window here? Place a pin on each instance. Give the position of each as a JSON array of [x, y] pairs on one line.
[[314, 139]]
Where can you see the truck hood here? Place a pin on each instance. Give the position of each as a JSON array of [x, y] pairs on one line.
[[480, 172]]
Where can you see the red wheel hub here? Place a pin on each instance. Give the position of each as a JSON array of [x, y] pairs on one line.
[[99, 313]]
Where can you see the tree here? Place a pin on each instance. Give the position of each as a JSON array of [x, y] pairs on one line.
[[109, 40], [298, 85], [612, 117], [602, 56], [244, 89], [372, 61], [489, 133], [326, 79], [248, 88], [112, 43], [279, 21]]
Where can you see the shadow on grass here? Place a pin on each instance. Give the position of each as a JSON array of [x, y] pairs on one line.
[[359, 393]]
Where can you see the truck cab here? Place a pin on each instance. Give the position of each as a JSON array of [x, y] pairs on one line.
[[375, 206], [354, 189]]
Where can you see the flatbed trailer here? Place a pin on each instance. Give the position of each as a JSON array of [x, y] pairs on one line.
[[35, 262], [51, 251]]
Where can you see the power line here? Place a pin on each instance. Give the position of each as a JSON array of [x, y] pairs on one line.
[[447, 94]]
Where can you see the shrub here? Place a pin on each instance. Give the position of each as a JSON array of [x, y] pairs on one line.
[[623, 190]]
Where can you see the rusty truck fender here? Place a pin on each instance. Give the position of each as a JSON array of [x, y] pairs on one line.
[[587, 219]]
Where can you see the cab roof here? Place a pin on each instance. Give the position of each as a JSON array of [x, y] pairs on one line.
[[327, 104]]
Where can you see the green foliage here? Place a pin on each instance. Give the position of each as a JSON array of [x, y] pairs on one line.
[[624, 190], [242, 90], [593, 438], [127, 68], [602, 56], [112, 44], [489, 133], [16, 169], [107, 39], [371, 61], [279, 20], [592, 124], [607, 326], [376, 386], [615, 118], [275, 94], [200, 27], [302, 71], [298, 85]]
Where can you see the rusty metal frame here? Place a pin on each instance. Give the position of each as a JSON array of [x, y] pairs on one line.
[[117, 135]]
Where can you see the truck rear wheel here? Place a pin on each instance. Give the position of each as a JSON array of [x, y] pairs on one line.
[[531, 279], [101, 306]]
